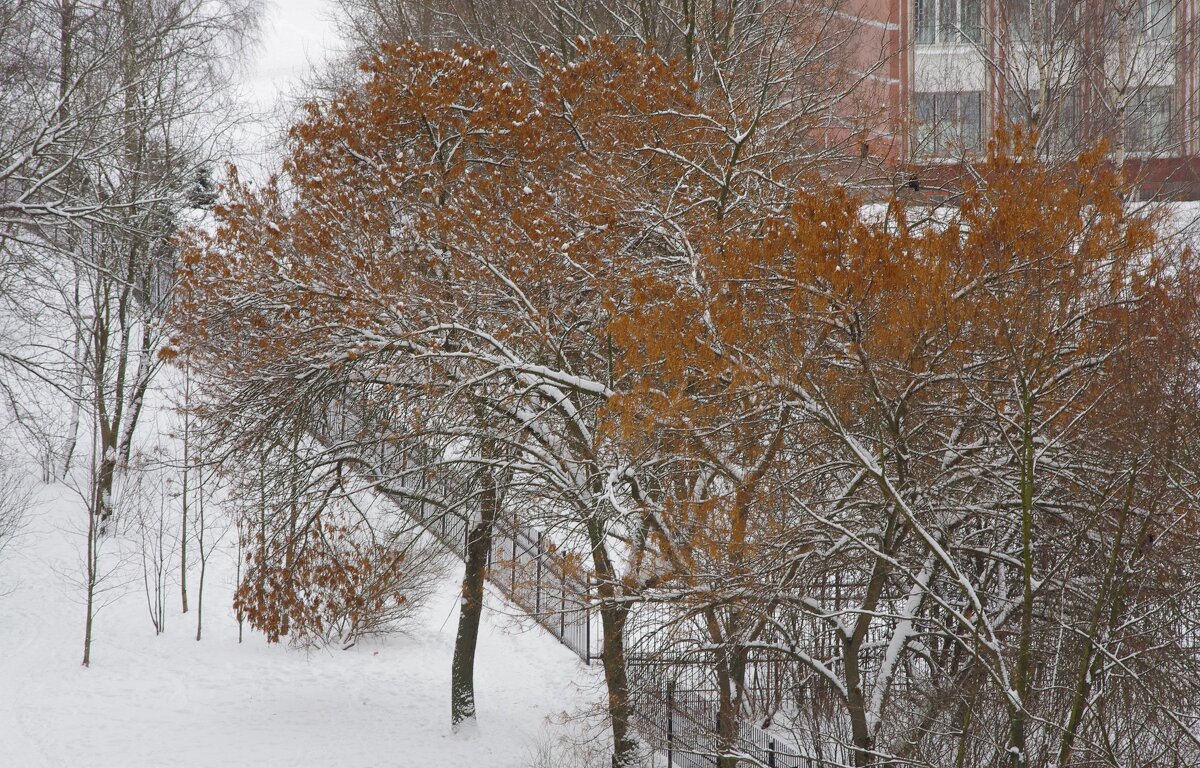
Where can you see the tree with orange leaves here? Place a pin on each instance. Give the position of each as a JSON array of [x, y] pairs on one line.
[[890, 456], [912, 461], [441, 269]]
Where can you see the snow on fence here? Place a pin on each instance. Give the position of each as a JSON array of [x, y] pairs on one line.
[[684, 727], [523, 564], [548, 587], [679, 721]]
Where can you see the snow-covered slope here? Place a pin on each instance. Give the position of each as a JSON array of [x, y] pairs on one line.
[[171, 701], [149, 701]]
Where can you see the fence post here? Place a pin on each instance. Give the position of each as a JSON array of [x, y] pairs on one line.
[[514, 558], [537, 595], [670, 723], [587, 620], [771, 753], [562, 605]]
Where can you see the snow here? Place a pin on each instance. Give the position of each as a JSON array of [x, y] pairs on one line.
[[152, 700]]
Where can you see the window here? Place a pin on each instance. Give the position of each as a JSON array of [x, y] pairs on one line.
[[1155, 18], [1146, 20], [1148, 123], [1059, 122], [947, 21], [947, 124], [1049, 18]]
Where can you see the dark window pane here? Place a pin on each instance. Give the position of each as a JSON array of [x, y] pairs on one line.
[[1159, 17], [970, 109], [1158, 118], [947, 124], [926, 107], [925, 10], [1069, 129], [924, 134], [1064, 14], [947, 21], [1017, 13], [972, 27]]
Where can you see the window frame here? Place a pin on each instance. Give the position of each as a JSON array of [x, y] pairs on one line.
[[1062, 121], [1052, 17], [940, 22], [1150, 120], [947, 124]]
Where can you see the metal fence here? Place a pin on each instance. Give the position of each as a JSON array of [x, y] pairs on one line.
[[531, 573], [547, 585], [677, 716], [675, 704]]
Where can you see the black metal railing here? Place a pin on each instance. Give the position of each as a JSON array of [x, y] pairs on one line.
[[677, 716], [676, 708]]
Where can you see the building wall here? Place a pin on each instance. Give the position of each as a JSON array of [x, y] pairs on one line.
[[876, 56], [978, 82]]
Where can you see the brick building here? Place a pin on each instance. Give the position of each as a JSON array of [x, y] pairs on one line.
[[947, 74]]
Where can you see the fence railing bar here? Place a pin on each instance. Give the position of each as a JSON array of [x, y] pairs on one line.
[[672, 714]]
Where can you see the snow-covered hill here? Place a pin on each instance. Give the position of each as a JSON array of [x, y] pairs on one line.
[[169, 700]]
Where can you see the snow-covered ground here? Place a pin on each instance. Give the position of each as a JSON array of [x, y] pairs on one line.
[[169, 700], [172, 701]]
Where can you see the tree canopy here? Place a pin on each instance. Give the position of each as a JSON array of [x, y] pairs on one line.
[[935, 462]]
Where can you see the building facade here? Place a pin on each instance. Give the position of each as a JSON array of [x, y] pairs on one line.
[[951, 73]]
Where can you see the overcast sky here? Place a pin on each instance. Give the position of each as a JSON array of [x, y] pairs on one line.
[[296, 34]]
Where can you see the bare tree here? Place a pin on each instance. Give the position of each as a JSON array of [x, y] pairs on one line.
[[97, 164], [15, 501], [146, 491], [818, 61]]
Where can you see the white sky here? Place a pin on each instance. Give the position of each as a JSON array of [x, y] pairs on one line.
[[296, 35]]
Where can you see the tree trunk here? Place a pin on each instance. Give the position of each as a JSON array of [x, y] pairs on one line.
[[1017, 717], [187, 471], [203, 554], [612, 654], [102, 500], [1109, 590], [856, 703], [729, 668], [90, 587], [479, 543], [731, 678]]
